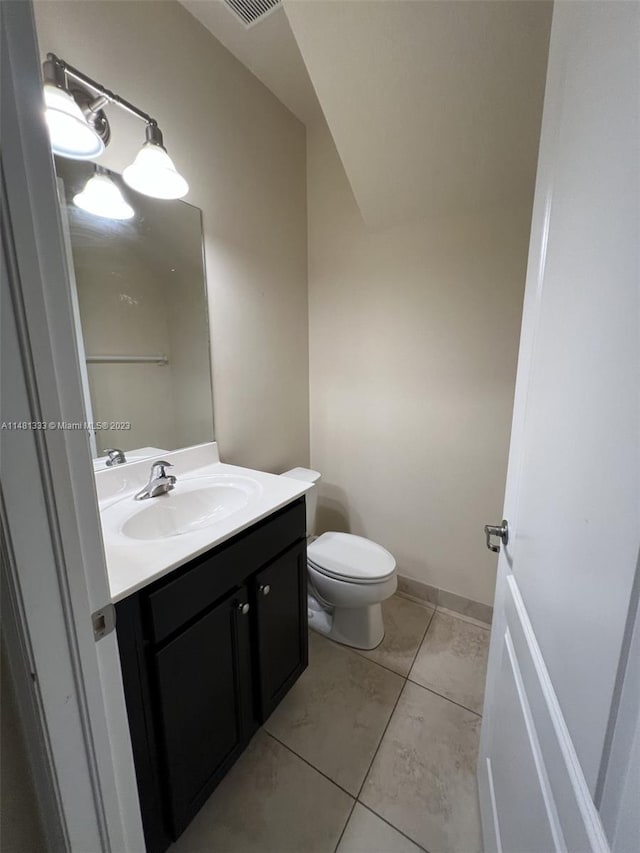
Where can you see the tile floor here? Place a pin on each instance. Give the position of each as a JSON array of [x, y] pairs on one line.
[[370, 752]]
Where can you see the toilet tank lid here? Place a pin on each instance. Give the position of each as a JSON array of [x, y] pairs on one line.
[[306, 474]]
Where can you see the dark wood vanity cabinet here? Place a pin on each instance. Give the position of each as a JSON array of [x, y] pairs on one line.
[[207, 653], [280, 590], [203, 679]]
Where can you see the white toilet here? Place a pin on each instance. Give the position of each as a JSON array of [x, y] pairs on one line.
[[349, 578]]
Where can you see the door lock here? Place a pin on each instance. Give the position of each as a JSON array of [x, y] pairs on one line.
[[502, 532]]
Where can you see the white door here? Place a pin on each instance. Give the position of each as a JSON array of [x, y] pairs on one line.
[[564, 604]]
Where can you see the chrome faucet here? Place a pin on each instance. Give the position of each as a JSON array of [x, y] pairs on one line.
[[159, 482], [116, 456]]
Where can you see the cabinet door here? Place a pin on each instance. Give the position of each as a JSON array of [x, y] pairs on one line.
[[281, 618], [204, 691]]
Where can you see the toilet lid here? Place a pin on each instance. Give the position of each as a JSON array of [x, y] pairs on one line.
[[354, 558]]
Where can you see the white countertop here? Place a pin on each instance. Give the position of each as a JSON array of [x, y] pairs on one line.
[[134, 563]]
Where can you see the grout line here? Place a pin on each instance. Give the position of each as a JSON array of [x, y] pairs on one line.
[[362, 652], [359, 652], [355, 799], [405, 679], [344, 790], [384, 731], [420, 644], [351, 650], [388, 822], [344, 828], [312, 766], [333, 782], [377, 662], [446, 698], [428, 602], [463, 617], [423, 602]]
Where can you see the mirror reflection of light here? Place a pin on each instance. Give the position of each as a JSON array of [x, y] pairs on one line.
[[103, 198]]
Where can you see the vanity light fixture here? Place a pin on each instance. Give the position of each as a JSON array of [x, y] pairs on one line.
[[70, 130], [153, 172], [102, 197], [79, 129]]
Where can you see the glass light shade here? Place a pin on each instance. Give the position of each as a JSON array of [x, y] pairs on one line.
[[103, 198], [153, 173], [70, 133]]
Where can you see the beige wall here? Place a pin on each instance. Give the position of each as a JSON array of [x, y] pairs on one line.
[[243, 154], [413, 343]]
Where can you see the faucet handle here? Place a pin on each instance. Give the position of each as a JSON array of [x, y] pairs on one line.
[[116, 456], [159, 482], [158, 468]]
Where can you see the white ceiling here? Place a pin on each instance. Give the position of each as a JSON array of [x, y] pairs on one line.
[[434, 105]]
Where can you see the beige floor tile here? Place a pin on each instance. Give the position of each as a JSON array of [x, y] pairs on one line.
[[334, 716], [453, 660], [404, 623], [270, 802], [423, 778], [367, 833]]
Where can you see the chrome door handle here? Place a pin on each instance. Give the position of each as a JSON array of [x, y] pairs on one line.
[[243, 607], [265, 589], [502, 532]]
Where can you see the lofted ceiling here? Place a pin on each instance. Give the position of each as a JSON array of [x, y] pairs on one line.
[[434, 105], [268, 49]]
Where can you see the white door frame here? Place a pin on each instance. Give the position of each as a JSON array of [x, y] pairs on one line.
[[53, 568]]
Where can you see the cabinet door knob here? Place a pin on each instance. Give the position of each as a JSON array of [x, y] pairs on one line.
[[265, 589], [243, 607]]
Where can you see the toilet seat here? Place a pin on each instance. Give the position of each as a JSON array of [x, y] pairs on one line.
[[346, 557]]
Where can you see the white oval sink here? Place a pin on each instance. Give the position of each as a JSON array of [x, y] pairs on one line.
[[190, 506]]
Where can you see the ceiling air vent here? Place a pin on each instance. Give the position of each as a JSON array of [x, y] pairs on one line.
[[251, 11]]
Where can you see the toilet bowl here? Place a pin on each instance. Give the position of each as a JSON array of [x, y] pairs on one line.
[[349, 578]]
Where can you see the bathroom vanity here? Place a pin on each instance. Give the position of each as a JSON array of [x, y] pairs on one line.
[[210, 645]]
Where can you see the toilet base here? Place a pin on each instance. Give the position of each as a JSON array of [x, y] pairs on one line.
[[358, 627]]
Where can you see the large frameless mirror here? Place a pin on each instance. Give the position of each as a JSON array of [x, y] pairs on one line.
[[140, 302]]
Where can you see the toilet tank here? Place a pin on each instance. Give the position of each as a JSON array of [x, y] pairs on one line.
[[311, 496]]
